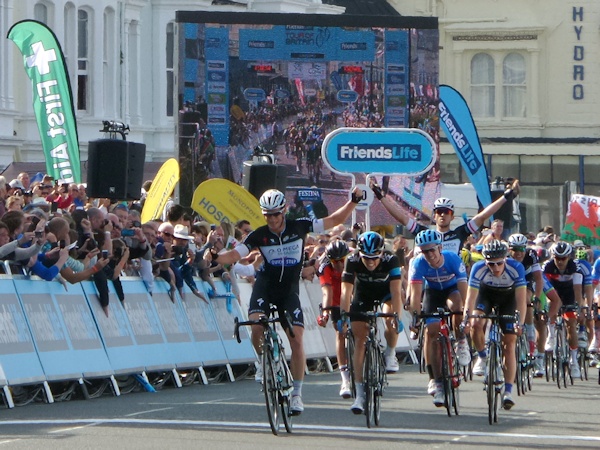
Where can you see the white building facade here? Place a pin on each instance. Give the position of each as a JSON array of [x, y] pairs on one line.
[[529, 71]]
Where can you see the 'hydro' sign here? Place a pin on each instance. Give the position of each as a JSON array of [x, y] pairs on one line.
[[401, 151]]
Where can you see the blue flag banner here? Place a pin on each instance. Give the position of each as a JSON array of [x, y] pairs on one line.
[[457, 122]]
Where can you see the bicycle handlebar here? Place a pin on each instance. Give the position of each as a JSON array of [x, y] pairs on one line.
[[264, 321]]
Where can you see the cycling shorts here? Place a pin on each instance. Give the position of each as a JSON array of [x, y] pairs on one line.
[[434, 299], [506, 305], [286, 298], [362, 306]]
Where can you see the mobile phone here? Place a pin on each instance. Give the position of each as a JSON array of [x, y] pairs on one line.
[[62, 243], [38, 234], [127, 232], [104, 254], [213, 226]]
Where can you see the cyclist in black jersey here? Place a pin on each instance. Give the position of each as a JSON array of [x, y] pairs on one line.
[[281, 243], [443, 213]]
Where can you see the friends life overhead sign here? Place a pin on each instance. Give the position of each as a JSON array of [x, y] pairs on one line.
[[389, 151]]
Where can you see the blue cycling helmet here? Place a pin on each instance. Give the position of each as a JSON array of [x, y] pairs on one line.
[[370, 243], [427, 237]]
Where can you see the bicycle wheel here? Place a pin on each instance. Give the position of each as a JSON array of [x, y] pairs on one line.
[[583, 363], [350, 359], [446, 375], [270, 388], [490, 380], [285, 394], [381, 381], [558, 358], [422, 368], [369, 382], [519, 373], [548, 366]]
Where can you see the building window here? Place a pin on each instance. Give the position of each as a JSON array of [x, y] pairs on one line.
[[40, 13], [483, 94], [513, 86], [170, 50], [498, 85], [82, 60], [108, 63]]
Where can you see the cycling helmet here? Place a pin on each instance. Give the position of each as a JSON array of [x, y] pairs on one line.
[[542, 254], [337, 249], [494, 249], [517, 240], [272, 201], [443, 202], [561, 249], [370, 243], [581, 253], [427, 237]]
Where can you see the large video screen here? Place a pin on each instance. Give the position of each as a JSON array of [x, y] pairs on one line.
[[282, 82]]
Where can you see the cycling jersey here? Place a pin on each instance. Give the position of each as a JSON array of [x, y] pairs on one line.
[[370, 287], [531, 266], [277, 282], [596, 272], [330, 277], [451, 272], [564, 282], [499, 291], [452, 239]]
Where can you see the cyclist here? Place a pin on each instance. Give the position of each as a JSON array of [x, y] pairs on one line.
[[581, 258], [537, 288], [281, 243], [566, 277], [445, 279], [330, 276], [443, 214], [497, 281], [593, 348], [373, 275]]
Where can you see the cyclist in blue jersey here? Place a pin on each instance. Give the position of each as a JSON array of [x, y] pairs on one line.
[[371, 277], [593, 348], [445, 278], [443, 213], [585, 326], [281, 244], [497, 281], [566, 277]]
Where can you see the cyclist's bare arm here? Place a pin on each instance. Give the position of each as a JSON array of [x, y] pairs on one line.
[[346, 295], [390, 205], [495, 206]]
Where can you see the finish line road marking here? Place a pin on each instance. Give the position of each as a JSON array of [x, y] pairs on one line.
[[238, 425]]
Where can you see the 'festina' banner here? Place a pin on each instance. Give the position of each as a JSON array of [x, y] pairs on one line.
[[457, 123], [52, 98]]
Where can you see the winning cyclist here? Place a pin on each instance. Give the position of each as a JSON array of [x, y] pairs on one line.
[[330, 275], [536, 285], [281, 243], [445, 279], [497, 281], [373, 275], [566, 277]]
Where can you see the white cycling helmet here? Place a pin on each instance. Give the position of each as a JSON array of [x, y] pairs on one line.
[[272, 201], [443, 202], [517, 240]]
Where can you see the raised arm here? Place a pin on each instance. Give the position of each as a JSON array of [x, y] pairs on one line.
[[342, 214], [508, 196], [390, 205]]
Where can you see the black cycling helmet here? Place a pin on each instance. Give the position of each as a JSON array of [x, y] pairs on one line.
[[561, 249], [370, 243], [494, 249], [337, 249]]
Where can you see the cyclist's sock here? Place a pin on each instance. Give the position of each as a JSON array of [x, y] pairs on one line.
[[345, 374], [508, 388], [297, 388], [482, 354], [360, 390], [430, 371], [573, 354], [389, 351]]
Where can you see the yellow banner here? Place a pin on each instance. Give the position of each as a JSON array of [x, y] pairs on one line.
[[219, 200], [162, 187]]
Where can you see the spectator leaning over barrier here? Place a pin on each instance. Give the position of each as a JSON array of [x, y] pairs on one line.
[[146, 272], [163, 253], [73, 270], [183, 259]]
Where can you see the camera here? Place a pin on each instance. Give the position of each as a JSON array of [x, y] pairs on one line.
[[39, 234], [127, 232], [213, 227], [62, 243], [136, 224], [104, 254]]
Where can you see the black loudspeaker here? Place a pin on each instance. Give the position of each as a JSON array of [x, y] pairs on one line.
[[505, 211], [259, 177], [115, 169]]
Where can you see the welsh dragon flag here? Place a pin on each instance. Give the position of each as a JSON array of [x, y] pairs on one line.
[[52, 98]]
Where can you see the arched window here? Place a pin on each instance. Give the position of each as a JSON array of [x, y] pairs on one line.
[[483, 94], [514, 88], [83, 85], [40, 13]]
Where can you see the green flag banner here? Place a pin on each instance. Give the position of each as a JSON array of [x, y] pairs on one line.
[[52, 98]]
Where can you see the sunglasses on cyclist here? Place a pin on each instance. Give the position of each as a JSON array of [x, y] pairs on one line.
[[428, 250], [277, 214], [495, 263], [443, 211], [561, 258], [518, 249], [362, 255]]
